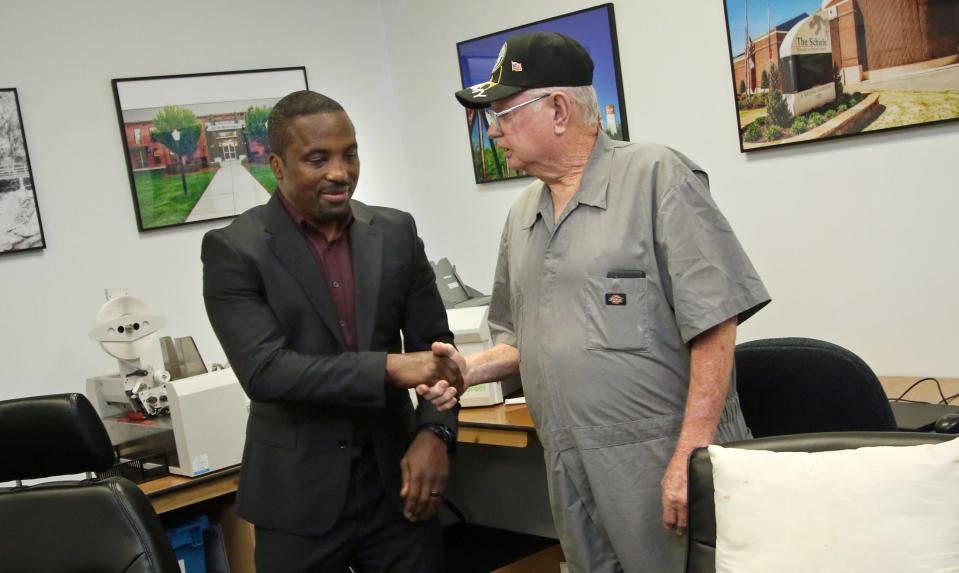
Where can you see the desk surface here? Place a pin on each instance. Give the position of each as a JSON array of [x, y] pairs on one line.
[[173, 492], [923, 392]]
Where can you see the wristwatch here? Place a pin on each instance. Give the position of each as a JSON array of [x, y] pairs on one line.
[[442, 432]]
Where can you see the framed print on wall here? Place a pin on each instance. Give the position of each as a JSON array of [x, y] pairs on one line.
[[810, 70], [196, 145], [20, 228], [595, 29]]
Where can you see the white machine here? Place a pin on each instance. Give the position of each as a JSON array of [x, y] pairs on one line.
[[471, 334], [197, 419]]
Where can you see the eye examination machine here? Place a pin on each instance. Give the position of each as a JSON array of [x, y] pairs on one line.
[[181, 416]]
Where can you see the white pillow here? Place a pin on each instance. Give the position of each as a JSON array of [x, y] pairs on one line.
[[877, 510]]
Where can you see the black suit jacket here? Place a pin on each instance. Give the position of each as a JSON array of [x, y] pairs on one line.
[[269, 305]]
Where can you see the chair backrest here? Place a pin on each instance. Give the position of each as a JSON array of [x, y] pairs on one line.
[[801, 385], [701, 556], [87, 525]]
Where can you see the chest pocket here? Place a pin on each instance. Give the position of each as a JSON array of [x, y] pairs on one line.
[[616, 314]]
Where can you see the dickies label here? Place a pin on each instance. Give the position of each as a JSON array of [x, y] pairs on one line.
[[616, 299]]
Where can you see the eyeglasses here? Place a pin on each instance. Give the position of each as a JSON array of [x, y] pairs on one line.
[[492, 117]]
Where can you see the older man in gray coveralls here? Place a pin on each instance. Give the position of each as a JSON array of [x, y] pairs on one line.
[[617, 293]]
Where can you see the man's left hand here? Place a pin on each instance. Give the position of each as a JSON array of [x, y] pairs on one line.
[[425, 469], [675, 495]]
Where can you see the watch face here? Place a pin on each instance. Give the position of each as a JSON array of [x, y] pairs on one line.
[[442, 432]]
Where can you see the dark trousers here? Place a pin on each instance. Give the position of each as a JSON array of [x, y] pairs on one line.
[[370, 536]]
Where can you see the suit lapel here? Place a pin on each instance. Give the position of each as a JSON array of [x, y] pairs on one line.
[[366, 243], [290, 247]]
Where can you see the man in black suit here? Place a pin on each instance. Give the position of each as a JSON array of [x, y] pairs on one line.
[[308, 295]]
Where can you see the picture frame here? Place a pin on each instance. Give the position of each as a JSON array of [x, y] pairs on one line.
[[20, 226], [808, 70], [595, 29], [195, 145]]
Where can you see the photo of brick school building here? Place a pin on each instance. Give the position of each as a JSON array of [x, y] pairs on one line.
[[871, 40]]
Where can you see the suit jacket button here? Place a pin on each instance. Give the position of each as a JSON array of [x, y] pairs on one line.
[[342, 444]]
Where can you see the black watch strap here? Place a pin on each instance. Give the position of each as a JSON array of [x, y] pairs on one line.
[[443, 433]]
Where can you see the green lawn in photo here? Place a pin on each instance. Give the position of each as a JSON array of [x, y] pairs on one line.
[[907, 108], [161, 197], [747, 116], [264, 175]]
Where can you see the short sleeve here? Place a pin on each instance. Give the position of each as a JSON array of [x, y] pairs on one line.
[[709, 277], [500, 319]]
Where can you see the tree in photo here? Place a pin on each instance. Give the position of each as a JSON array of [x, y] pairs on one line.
[[764, 82], [182, 120], [258, 142], [776, 107]]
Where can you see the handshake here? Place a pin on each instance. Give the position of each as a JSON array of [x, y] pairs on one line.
[[438, 375]]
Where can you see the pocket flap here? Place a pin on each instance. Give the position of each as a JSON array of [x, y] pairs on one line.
[[271, 431]]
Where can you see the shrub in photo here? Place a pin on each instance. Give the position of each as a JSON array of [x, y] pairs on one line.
[[753, 132]]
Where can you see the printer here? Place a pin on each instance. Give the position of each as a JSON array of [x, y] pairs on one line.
[[466, 311]]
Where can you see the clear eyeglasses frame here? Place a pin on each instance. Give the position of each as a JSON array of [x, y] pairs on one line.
[[493, 117]]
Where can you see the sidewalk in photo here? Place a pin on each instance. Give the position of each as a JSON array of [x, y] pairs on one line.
[[232, 191], [935, 80]]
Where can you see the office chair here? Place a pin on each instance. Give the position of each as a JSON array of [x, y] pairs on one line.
[[88, 525], [701, 555], [802, 385]]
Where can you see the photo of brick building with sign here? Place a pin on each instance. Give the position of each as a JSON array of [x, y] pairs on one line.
[[196, 145], [809, 69]]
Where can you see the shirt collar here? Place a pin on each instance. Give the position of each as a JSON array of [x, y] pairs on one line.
[[592, 188], [305, 224]]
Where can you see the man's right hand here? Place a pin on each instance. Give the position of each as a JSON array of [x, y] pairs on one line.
[[443, 393], [422, 368]]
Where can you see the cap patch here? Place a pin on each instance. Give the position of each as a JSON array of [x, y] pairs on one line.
[[499, 58], [516, 66]]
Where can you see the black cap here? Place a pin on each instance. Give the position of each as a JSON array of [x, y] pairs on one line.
[[537, 60]]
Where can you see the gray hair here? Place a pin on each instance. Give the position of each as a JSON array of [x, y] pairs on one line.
[[583, 97]]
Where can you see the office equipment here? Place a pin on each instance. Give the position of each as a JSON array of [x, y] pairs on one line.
[[702, 509], [919, 416], [948, 423], [471, 334], [800, 385], [196, 419], [85, 525], [454, 292]]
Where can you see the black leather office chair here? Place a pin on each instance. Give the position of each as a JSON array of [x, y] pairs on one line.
[[701, 557], [801, 385], [105, 526]]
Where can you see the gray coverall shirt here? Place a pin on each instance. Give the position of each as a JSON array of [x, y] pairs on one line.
[[602, 306]]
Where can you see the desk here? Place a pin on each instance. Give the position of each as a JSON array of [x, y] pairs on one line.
[[477, 476], [501, 425], [215, 495]]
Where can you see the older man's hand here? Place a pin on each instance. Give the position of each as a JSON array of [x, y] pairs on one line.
[[443, 393], [675, 496]]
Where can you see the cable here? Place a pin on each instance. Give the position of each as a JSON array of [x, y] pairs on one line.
[[920, 381], [947, 399]]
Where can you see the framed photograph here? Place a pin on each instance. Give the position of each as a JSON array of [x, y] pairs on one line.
[[595, 29], [809, 70], [20, 228], [196, 145]]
